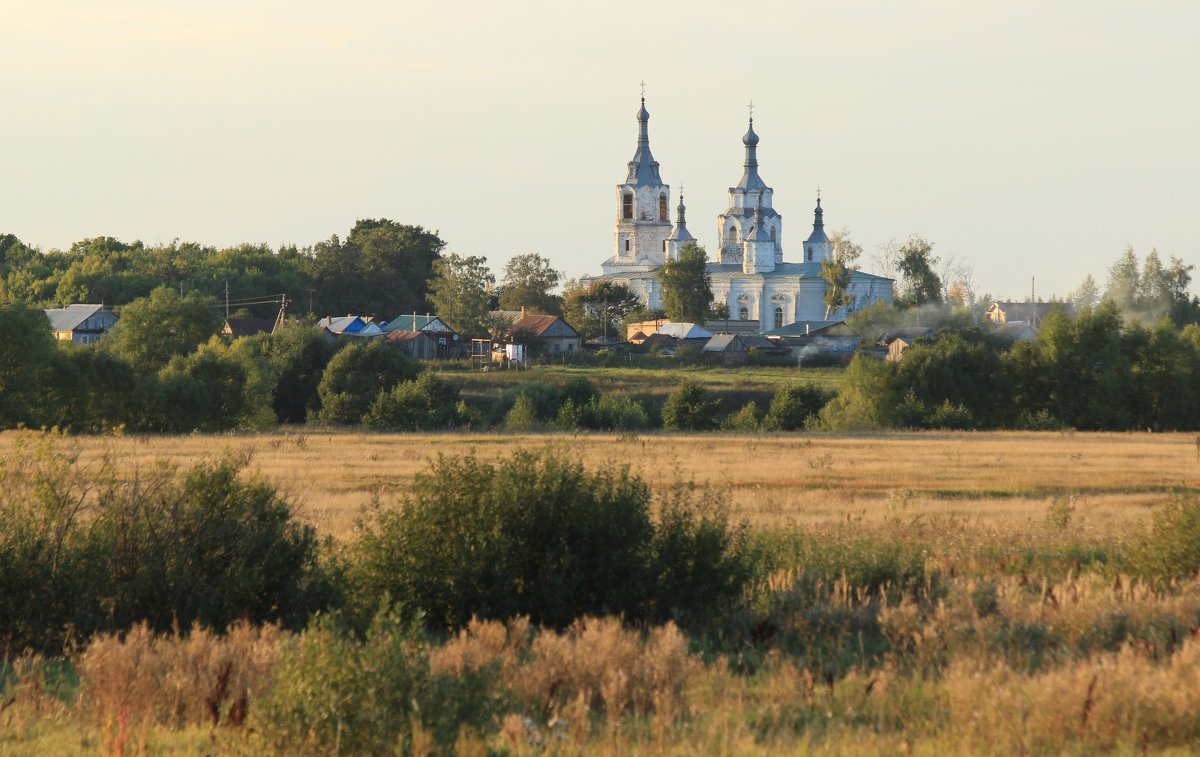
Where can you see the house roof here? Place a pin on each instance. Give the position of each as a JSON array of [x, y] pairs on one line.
[[69, 318], [347, 324], [907, 333], [399, 337], [660, 339], [685, 331], [725, 343], [414, 322], [249, 326], [814, 328], [539, 324]]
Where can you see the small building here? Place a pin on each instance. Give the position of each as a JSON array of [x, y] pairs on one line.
[[445, 337], [809, 339], [1031, 313], [419, 345], [240, 327], [81, 324], [730, 347], [351, 326], [897, 340], [1017, 331], [553, 335]]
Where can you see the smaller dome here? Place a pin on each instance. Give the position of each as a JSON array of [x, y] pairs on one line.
[[751, 139], [643, 114]]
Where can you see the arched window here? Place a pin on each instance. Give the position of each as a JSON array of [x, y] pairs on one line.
[[772, 235], [809, 254], [627, 205], [778, 318], [743, 313], [662, 207], [731, 237]]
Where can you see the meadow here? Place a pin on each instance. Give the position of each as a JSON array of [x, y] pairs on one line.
[[915, 593]]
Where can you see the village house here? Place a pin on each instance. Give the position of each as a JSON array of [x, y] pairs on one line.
[[897, 340], [444, 337], [547, 334], [81, 324], [418, 345], [1032, 313]]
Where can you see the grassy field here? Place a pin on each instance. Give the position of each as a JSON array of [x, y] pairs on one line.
[[931, 593], [991, 480]]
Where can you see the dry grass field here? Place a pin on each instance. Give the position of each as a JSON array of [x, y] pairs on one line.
[[996, 481], [1004, 621]]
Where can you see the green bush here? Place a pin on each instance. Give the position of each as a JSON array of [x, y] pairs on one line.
[[793, 406], [331, 693], [748, 419], [1170, 549], [542, 398], [201, 546], [538, 535], [522, 416], [690, 408], [427, 403], [356, 375]]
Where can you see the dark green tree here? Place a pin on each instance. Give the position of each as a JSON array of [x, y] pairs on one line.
[[27, 355], [460, 293], [598, 307], [527, 283], [155, 329], [356, 375], [919, 284], [686, 285]]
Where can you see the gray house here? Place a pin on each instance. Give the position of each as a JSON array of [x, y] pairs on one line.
[[81, 324]]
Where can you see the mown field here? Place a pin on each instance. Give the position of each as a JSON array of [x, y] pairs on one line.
[[915, 593]]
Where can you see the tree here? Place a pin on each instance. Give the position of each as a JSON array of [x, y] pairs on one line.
[[920, 284], [838, 270], [686, 286], [1124, 282], [598, 307], [690, 408], [356, 375], [26, 354], [154, 329], [527, 282], [1087, 296], [460, 291]]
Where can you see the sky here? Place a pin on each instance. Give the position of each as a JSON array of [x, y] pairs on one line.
[[1030, 142]]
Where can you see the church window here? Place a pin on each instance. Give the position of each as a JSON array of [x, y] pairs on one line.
[[778, 317], [626, 245], [810, 254], [743, 313], [772, 235], [662, 207], [627, 206], [731, 237], [664, 245]]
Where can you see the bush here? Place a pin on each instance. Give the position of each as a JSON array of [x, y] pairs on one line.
[[333, 694], [690, 408], [83, 551], [792, 407], [426, 403], [356, 375], [542, 399], [522, 416], [748, 419], [1171, 547], [538, 535]]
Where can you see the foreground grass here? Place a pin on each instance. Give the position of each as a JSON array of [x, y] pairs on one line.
[[916, 594]]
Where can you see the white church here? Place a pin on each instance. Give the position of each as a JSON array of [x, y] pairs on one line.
[[750, 275]]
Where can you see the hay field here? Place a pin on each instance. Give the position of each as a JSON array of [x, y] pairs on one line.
[[993, 480]]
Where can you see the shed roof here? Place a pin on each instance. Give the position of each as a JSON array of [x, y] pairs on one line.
[[685, 331], [725, 343]]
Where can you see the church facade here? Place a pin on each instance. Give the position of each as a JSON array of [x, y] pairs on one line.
[[750, 274]]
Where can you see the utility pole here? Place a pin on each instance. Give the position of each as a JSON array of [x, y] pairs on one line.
[[310, 294], [227, 300]]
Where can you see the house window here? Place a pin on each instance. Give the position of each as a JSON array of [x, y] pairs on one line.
[[731, 237], [662, 207], [627, 205], [778, 317], [744, 314]]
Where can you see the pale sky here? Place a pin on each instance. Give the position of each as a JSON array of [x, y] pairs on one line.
[[1023, 139]]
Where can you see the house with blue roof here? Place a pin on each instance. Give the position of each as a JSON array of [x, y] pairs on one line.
[[749, 274]]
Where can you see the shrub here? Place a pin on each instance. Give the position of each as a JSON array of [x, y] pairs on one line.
[[426, 403], [356, 375], [792, 406], [538, 535], [522, 416], [542, 398], [950, 416], [690, 408], [82, 551], [749, 419], [333, 694], [1171, 547]]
